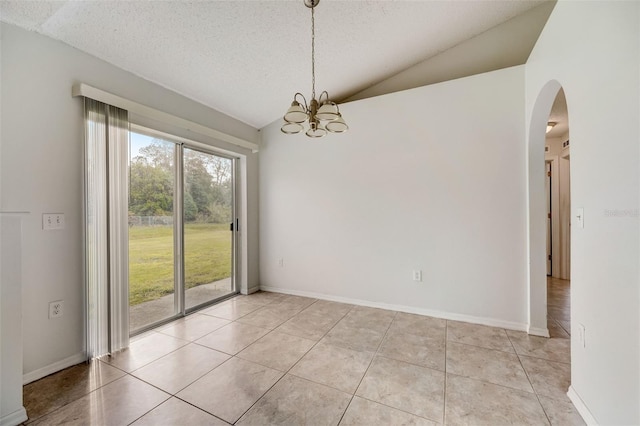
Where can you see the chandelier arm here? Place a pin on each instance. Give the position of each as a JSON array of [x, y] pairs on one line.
[[304, 100], [326, 94]]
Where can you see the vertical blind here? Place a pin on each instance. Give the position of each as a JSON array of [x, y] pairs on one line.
[[106, 228]]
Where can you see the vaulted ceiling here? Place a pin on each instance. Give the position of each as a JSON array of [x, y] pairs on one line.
[[248, 58]]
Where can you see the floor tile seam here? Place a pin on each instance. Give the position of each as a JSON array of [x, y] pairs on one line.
[[186, 386], [33, 419], [421, 336], [315, 344], [484, 347], [153, 360], [196, 338], [545, 359], [147, 412], [495, 384], [29, 420], [384, 336], [534, 390], [396, 408], [201, 409], [380, 355], [195, 406], [261, 396]]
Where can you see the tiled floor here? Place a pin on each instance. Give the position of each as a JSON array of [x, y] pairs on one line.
[[277, 359]]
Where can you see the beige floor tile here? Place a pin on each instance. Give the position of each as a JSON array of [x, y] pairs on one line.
[[549, 378], [414, 349], [288, 302], [295, 401], [52, 392], [231, 389], [541, 347], [489, 365], [556, 331], [144, 351], [566, 325], [269, 317], [371, 318], [561, 413], [560, 313], [193, 327], [334, 366], [264, 297], [472, 402], [407, 387], [359, 338], [310, 324], [327, 307], [277, 350], [176, 412], [362, 412], [232, 338], [118, 403], [233, 309], [180, 368], [478, 335], [419, 325]]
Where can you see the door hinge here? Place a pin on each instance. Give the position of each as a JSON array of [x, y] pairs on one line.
[[549, 174], [549, 257], [549, 215]]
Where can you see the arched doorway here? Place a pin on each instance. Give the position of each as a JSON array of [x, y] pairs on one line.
[[537, 209]]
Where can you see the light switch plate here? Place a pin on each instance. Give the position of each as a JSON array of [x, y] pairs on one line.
[[52, 221]]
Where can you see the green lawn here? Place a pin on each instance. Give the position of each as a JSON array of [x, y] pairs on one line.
[[207, 258]]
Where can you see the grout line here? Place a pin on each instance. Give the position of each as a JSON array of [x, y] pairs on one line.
[[534, 389], [286, 372], [384, 336]]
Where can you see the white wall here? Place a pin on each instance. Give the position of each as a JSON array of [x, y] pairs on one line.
[[430, 178], [592, 50], [41, 172]]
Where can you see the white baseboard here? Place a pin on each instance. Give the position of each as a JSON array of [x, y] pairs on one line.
[[32, 376], [253, 290], [402, 308], [15, 418], [535, 331], [581, 407]]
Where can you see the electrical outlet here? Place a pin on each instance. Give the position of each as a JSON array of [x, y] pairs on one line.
[[281, 262], [52, 221], [56, 309], [417, 275]]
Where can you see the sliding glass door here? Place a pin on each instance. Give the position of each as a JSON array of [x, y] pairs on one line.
[[181, 243], [208, 236]]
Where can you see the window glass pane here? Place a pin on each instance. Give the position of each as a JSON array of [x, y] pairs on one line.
[[151, 232], [208, 213]]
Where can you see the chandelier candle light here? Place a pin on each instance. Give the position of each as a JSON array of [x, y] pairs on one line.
[[322, 114]]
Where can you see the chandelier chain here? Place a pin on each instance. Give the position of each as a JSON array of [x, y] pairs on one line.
[[313, 54]]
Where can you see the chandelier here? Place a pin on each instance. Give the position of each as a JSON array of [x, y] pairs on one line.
[[322, 115]]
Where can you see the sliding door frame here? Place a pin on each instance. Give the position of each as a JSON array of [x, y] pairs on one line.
[[180, 309]]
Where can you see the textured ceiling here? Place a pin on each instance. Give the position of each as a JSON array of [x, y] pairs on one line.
[[248, 58]]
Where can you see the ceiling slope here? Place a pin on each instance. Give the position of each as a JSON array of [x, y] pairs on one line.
[[248, 58]]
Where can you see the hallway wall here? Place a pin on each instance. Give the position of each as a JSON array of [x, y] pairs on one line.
[[593, 50]]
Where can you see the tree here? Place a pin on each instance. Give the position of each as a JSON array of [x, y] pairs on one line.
[[151, 190]]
